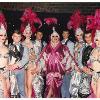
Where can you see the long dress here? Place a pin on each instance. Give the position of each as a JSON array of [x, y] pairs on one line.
[[54, 61]]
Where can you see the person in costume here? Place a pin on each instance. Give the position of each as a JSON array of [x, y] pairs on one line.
[[76, 21], [66, 79], [95, 66], [4, 60], [33, 82], [93, 23], [76, 76], [55, 59]]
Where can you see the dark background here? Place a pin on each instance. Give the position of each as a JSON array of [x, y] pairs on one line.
[[61, 10]]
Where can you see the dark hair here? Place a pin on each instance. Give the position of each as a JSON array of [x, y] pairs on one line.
[[67, 30], [38, 32], [17, 32], [85, 33]]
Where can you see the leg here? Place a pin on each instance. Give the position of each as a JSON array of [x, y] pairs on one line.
[[4, 87], [93, 85], [29, 83], [20, 76], [50, 93], [26, 82], [98, 89], [8, 86]]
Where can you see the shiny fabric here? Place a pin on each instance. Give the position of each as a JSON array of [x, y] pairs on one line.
[[76, 76], [37, 84], [96, 75], [54, 61], [37, 81], [84, 89], [5, 72]]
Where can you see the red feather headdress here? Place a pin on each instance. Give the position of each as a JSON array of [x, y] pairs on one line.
[[50, 21], [93, 22], [3, 24], [3, 20], [30, 17], [76, 20]]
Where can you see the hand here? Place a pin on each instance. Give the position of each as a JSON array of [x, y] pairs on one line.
[[35, 71], [9, 67], [32, 56], [12, 67], [77, 69]]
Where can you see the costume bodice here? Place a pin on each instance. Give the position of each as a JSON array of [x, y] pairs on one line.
[[95, 59], [4, 55]]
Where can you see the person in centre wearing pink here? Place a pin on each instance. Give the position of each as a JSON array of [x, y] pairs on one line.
[[55, 59]]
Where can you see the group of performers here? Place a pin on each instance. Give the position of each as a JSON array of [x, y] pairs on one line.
[[58, 69]]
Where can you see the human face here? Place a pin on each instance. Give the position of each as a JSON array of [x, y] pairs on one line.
[[16, 37], [27, 35], [2, 37], [88, 38], [55, 38], [39, 35], [97, 41], [65, 34], [79, 37]]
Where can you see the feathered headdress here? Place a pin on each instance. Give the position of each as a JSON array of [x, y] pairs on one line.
[[76, 21], [50, 21], [93, 22], [29, 19], [97, 35], [3, 24]]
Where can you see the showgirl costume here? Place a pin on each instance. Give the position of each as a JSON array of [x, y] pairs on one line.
[[5, 73], [76, 20], [93, 23], [3, 70], [29, 19], [37, 82]]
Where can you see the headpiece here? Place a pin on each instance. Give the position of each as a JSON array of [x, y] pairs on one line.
[[29, 19], [76, 21], [54, 33], [3, 24]]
